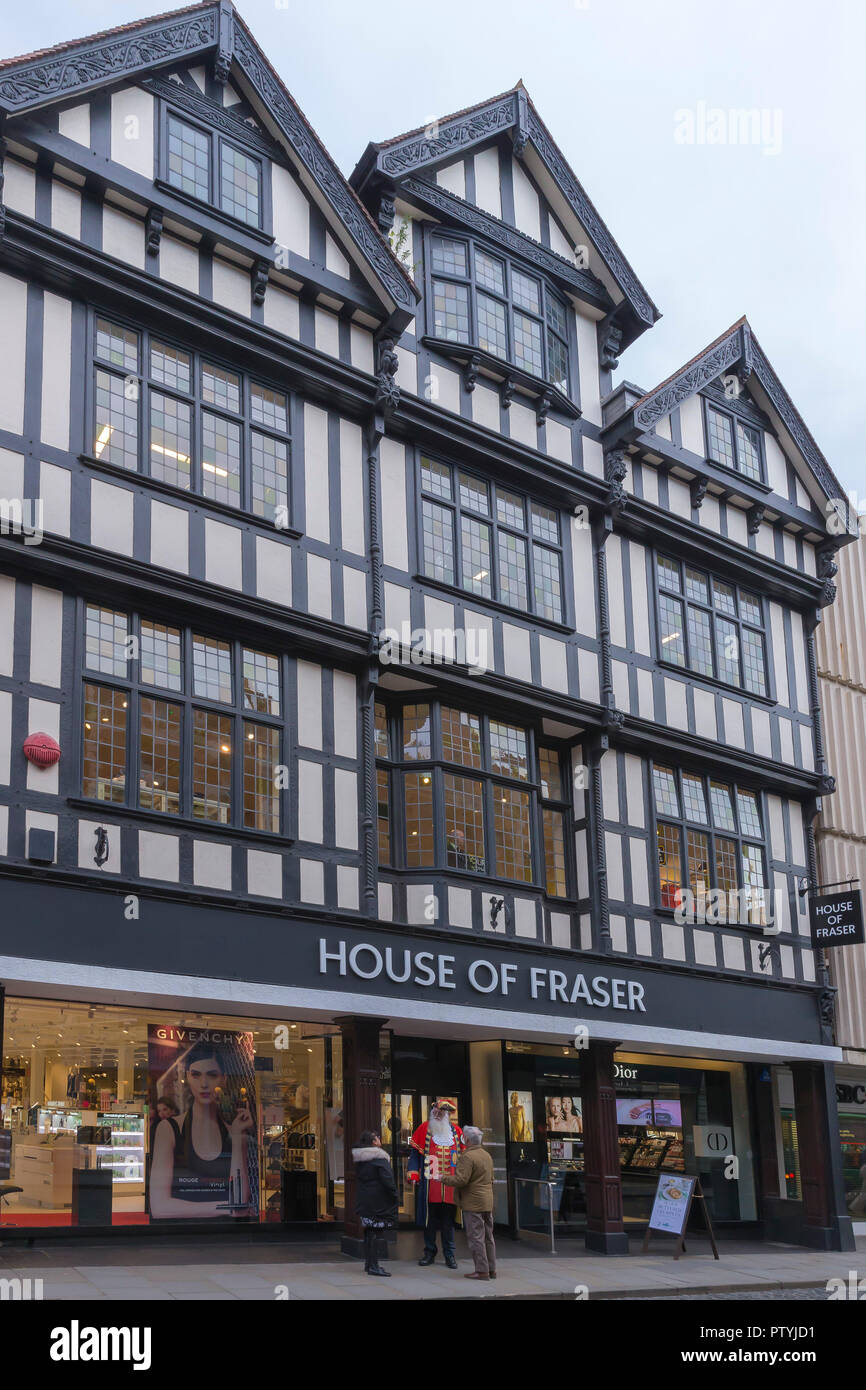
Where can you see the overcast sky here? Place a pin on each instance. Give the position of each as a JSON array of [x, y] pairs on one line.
[[632, 90]]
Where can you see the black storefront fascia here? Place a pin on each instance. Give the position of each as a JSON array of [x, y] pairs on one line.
[[351, 970], [87, 927]]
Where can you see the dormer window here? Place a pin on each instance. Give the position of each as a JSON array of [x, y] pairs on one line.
[[207, 166], [734, 444], [487, 301]]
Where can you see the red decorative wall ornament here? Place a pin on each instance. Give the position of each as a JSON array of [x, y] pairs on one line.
[[41, 749]]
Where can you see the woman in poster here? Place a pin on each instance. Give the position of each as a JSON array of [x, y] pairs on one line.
[[572, 1119], [520, 1132], [199, 1164]]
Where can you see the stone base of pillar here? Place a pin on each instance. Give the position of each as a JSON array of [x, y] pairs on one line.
[[607, 1242]]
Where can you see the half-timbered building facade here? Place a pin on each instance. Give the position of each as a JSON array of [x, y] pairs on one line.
[[381, 684]]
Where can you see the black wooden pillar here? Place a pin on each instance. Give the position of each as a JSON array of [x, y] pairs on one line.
[[605, 1230], [826, 1223], [362, 1106]]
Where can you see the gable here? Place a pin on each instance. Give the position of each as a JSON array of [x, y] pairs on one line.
[[499, 157], [735, 369], [220, 64]]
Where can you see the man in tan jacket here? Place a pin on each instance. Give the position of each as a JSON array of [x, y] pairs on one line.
[[473, 1179]]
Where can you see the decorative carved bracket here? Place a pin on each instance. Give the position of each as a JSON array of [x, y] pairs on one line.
[[260, 281], [754, 517], [470, 371], [223, 57], [386, 213], [616, 472], [542, 410], [698, 491], [153, 230], [506, 392], [387, 390], [610, 347]]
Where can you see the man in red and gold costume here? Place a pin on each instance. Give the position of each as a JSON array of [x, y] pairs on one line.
[[435, 1147]]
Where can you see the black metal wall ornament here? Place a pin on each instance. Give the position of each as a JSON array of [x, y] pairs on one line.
[[497, 905], [102, 849]]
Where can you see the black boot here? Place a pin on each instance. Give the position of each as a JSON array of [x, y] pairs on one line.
[[427, 1258], [369, 1256]]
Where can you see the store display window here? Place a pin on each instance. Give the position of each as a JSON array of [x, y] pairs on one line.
[[689, 1117], [126, 1116]]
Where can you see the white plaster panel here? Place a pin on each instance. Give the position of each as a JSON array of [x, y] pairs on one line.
[[675, 702], [634, 789], [222, 554], [737, 529], [587, 362], [74, 123], [692, 425], [558, 440], [282, 311], [335, 261], [291, 212], [587, 674], [111, 517], [733, 715], [178, 263], [274, 571], [516, 654], [395, 526], [13, 316], [453, 177], [616, 596], [523, 426], [316, 484], [123, 237], [46, 636], [211, 864], [231, 287], [705, 714], [407, 370], [310, 818], [65, 209], [327, 332], [312, 881], [309, 705], [55, 487], [345, 715], [640, 598], [319, 585], [19, 189], [485, 407], [361, 347], [552, 658], [639, 876], [527, 213], [347, 887], [487, 193], [5, 736], [345, 808], [264, 874], [445, 387], [613, 853], [673, 941], [352, 487], [169, 536], [679, 498], [7, 624], [355, 612], [158, 856]]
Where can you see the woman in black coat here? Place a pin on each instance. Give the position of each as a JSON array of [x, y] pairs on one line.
[[376, 1196]]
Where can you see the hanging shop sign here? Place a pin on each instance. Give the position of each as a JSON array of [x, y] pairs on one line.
[[837, 919]]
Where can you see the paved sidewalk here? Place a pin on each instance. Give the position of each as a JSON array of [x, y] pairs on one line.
[[266, 1274]]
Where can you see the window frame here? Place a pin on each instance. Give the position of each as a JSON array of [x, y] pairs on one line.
[[768, 695], [683, 824], [147, 386], [472, 245], [533, 543], [216, 140], [396, 767], [135, 689], [734, 418]]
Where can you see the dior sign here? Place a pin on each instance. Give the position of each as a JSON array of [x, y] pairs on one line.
[[435, 970]]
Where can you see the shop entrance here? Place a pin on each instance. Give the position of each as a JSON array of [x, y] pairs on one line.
[[421, 1069]]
